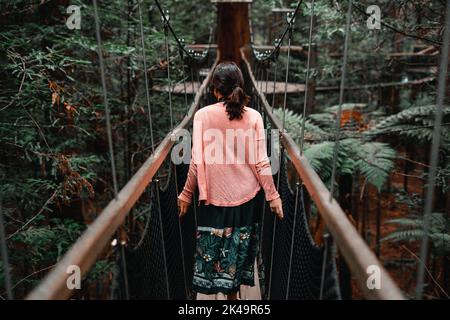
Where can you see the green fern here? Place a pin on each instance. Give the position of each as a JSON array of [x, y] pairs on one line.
[[320, 157], [411, 229], [415, 123], [293, 125], [375, 162]]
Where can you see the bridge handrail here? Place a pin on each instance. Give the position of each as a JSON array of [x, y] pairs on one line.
[[353, 248], [96, 237]]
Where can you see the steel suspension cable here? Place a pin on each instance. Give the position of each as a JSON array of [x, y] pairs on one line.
[[291, 23], [192, 81], [184, 78], [280, 147], [327, 240], [274, 79], [108, 129], [192, 56], [150, 120], [434, 156], [147, 91], [4, 255], [341, 99], [308, 66], [165, 20], [275, 50], [105, 99], [292, 240], [163, 245]]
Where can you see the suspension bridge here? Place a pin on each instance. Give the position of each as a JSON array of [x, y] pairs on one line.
[[158, 265]]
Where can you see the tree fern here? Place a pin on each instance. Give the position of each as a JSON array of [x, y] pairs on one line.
[[375, 161], [320, 157], [293, 125], [415, 123], [411, 229]]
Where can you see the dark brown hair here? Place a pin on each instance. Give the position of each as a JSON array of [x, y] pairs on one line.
[[228, 80]]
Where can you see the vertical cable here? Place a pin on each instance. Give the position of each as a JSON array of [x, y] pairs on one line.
[[302, 133], [274, 78], [434, 156], [291, 26], [267, 79], [192, 83], [169, 84], [147, 92], [341, 99], [292, 240], [108, 127], [263, 70], [105, 99], [166, 273], [291, 19], [180, 230], [326, 238], [153, 147], [184, 77], [290, 29], [4, 249]]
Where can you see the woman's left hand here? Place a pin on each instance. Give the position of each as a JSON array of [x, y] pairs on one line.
[[183, 207]]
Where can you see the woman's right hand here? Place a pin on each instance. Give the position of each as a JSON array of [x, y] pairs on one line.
[[276, 206], [183, 207]]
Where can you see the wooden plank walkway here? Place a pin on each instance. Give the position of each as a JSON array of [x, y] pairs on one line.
[[192, 88]]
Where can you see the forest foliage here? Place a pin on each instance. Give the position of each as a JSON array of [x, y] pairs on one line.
[[55, 172]]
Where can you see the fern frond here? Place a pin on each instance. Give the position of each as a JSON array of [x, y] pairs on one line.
[[413, 123], [293, 125], [375, 162]]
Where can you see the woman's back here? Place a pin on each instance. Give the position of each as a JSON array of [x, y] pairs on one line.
[[231, 155]]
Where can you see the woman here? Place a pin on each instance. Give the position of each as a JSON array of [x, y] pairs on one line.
[[229, 166]]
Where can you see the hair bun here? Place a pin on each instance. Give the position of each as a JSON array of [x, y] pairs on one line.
[[228, 80]]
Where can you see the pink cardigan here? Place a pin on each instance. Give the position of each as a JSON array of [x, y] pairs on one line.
[[231, 177]]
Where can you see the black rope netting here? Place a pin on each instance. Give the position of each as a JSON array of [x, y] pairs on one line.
[[145, 263], [146, 267], [307, 258]]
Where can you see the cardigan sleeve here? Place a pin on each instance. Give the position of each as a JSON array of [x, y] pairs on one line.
[[191, 183], [262, 164], [192, 176]]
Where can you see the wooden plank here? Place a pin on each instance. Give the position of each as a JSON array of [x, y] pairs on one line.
[[353, 248], [294, 87], [282, 10], [192, 88], [94, 240]]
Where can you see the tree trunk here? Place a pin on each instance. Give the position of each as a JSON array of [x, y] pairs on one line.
[[233, 31]]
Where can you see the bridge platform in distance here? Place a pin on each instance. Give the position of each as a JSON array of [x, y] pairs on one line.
[[193, 87]]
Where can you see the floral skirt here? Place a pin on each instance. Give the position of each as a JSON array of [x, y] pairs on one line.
[[227, 245]]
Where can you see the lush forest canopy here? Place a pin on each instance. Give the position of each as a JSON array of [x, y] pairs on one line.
[[54, 163]]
